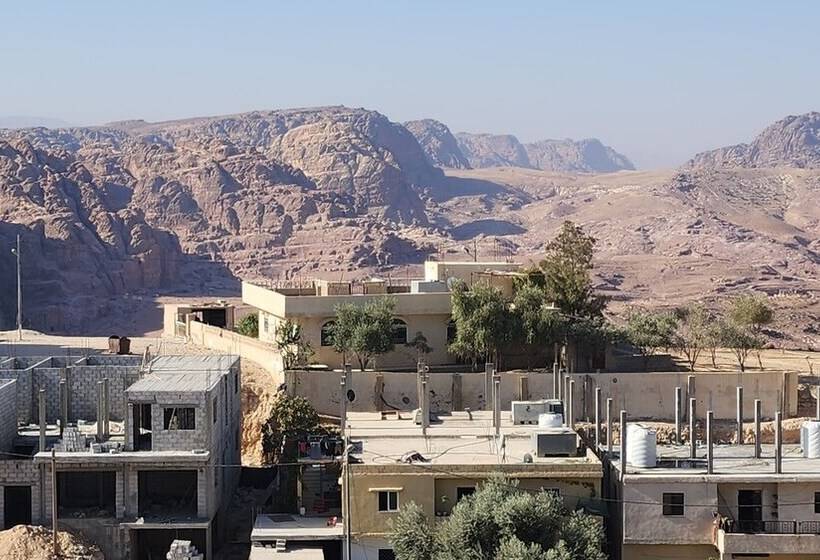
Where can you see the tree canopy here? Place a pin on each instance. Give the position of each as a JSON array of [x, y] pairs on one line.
[[483, 322], [291, 417], [499, 522], [249, 326], [650, 331], [295, 350], [692, 331], [365, 331]]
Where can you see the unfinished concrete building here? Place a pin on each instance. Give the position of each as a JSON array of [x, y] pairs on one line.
[[143, 453]]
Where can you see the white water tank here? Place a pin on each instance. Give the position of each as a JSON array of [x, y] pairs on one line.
[[641, 446], [550, 420], [810, 439]]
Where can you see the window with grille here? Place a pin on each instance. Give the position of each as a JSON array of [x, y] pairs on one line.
[[673, 503]]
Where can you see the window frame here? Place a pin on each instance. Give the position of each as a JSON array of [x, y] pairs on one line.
[[817, 502], [325, 334], [394, 336], [387, 494], [669, 505], [169, 412], [464, 491]]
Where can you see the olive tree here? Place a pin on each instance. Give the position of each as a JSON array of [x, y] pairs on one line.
[[692, 334], [365, 331], [483, 321], [289, 340], [751, 313], [649, 332]]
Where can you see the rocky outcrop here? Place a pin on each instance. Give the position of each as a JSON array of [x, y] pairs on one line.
[[438, 143], [576, 156], [790, 142], [493, 150]]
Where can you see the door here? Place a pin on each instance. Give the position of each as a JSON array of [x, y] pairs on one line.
[[750, 511], [16, 506]]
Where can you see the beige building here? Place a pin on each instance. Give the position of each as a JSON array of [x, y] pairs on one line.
[[423, 306], [395, 462], [742, 509]]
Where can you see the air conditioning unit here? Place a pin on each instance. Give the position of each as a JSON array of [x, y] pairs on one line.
[[559, 442], [527, 412]]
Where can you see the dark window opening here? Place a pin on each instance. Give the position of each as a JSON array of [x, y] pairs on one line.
[[86, 494], [235, 383], [216, 409], [464, 491], [326, 335], [451, 331], [399, 332], [154, 543], [388, 500], [16, 506], [167, 494], [387, 554], [142, 427], [749, 506], [183, 418], [817, 502], [673, 503]]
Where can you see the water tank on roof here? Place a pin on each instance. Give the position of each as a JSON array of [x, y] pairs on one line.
[[550, 420], [641, 446], [810, 439]]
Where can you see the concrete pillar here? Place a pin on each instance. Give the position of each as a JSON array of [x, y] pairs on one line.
[[129, 427], [570, 398], [378, 394], [678, 404], [609, 425], [739, 398], [778, 442], [758, 443], [106, 409], [597, 418], [497, 404], [623, 457], [458, 401], [523, 388], [63, 405], [710, 452], [425, 407], [556, 384], [817, 404], [100, 418], [690, 386], [489, 370], [41, 414], [693, 446], [343, 403]]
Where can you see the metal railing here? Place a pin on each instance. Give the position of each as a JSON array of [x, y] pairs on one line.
[[773, 527]]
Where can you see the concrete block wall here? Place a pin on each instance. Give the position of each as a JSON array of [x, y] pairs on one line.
[[8, 415], [83, 385], [23, 390], [177, 440], [20, 472]]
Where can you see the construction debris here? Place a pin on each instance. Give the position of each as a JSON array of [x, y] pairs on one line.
[[183, 550]]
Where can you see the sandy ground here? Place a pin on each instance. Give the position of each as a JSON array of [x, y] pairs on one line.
[[35, 543]]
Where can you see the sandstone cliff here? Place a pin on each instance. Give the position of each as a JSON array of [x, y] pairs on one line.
[[438, 143], [576, 156]]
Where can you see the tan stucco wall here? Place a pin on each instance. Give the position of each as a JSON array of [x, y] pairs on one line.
[[801, 495], [768, 492], [644, 521], [668, 552], [364, 500], [229, 342]]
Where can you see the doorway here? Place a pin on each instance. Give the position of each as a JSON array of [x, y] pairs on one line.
[[141, 425], [16, 506], [750, 510]]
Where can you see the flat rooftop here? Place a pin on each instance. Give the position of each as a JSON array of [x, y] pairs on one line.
[[453, 439], [730, 462], [274, 526], [180, 374]]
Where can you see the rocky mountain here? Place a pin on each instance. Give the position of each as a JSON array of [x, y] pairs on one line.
[[438, 143], [791, 142], [492, 150], [576, 156]]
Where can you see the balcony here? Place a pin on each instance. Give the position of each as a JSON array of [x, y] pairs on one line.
[[768, 537]]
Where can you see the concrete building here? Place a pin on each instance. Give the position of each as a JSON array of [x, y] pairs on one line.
[[732, 502], [421, 306], [142, 453]]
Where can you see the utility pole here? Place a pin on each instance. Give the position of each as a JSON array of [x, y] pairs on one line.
[[346, 519], [16, 252]]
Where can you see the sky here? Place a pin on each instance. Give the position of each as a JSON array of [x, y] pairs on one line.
[[658, 81]]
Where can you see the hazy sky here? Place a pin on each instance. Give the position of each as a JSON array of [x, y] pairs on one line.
[[656, 81]]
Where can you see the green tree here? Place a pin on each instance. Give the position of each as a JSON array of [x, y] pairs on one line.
[[364, 330], [419, 344], [483, 322], [566, 269], [295, 350], [691, 335], [499, 522], [751, 312], [249, 326], [291, 418], [740, 340], [649, 332]]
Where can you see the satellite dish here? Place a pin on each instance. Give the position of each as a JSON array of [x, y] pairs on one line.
[[527, 458], [451, 281]]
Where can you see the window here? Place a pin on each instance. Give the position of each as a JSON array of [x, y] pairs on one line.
[[216, 409], [265, 325], [399, 332], [673, 503], [464, 491], [179, 418], [451, 331], [326, 336], [235, 383], [817, 502], [387, 554], [388, 500]]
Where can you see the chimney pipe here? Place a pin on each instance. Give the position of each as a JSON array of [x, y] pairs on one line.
[[623, 458], [710, 452], [740, 415], [778, 442], [41, 404], [609, 426], [758, 443], [693, 446], [571, 416], [597, 418], [678, 397]]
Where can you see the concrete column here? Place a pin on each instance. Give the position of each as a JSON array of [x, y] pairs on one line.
[[570, 397], [378, 394], [41, 411], [597, 418], [690, 386], [497, 404], [710, 453], [63, 405], [757, 429], [623, 457], [556, 383], [129, 427], [458, 402], [817, 403], [100, 420], [425, 407], [609, 426], [739, 398], [678, 404], [488, 385], [343, 403], [693, 446], [106, 408], [523, 388], [778, 442]]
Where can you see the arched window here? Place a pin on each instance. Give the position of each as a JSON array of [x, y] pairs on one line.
[[399, 332], [326, 336], [451, 331]]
